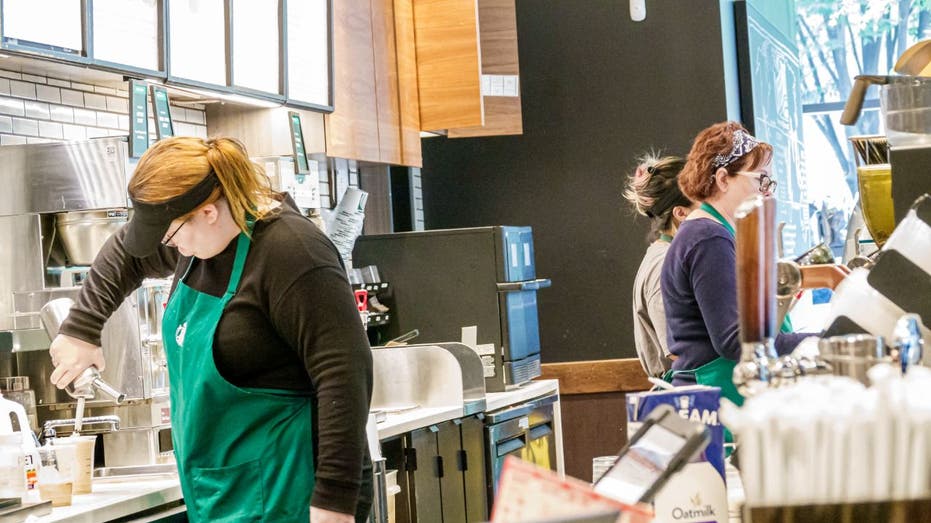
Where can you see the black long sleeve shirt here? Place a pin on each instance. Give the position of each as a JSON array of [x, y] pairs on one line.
[[292, 324]]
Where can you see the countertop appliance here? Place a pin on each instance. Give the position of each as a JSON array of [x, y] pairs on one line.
[[60, 203], [445, 280]]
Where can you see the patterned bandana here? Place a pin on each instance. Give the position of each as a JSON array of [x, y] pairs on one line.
[[743, 144]]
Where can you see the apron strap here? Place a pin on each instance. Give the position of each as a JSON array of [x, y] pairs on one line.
[[242, 250], [718, 217]]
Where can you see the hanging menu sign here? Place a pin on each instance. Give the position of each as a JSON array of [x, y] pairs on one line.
[[139, 120], [163, 126], [297, 143]]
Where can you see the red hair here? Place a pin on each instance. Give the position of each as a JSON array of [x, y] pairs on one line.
[[697, 178]]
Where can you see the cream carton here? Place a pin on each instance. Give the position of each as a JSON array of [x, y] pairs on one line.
[[698, 493]]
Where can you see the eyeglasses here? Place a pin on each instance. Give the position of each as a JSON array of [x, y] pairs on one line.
[[767, 183], [167, 241]]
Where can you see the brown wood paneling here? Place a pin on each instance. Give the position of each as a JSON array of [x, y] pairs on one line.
[[265, 132], [592, 425], [352, 128], [448, 63], [497, 22], [594, 376], [386, 81], [374, 179], [503, 116], [408, 98], [498, 35]]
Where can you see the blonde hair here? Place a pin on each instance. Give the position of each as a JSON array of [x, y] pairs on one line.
[[653, 189], [173, 166]]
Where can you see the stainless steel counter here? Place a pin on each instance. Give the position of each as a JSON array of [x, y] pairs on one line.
[[118, 497], [122, 496], [527, 391]]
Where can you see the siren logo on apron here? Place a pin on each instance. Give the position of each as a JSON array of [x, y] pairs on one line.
[[179, 334]]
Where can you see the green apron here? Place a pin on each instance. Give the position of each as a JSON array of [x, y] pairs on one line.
[[243, 454]]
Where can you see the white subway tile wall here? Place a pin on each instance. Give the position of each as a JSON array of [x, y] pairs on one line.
[[38, 109]]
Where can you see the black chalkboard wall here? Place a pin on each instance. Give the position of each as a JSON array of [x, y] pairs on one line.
[[597, 89]]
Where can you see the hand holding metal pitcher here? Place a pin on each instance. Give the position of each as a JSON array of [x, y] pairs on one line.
[[78, 354]]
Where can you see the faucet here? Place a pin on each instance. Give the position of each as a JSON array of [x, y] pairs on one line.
[[48, 428]]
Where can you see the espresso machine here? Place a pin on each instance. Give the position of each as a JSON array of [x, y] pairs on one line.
[[60, 203]]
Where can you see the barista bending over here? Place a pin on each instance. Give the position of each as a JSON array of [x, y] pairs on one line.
[[654, 192], [270, 369], [725, 166]]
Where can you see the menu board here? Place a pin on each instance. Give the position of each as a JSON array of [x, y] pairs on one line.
[[309, 51], [197, 40], [51, 24], [126, 32], [255, 45], [139, 118], [163, 126], [297, 142]]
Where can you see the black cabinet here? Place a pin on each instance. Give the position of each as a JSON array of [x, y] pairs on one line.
[[441, 471]]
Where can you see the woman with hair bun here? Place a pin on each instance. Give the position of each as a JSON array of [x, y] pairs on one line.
[[270, 369], [654, 192], [725, 166]]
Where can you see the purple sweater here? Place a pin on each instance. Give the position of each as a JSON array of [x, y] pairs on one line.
[[699, 286]]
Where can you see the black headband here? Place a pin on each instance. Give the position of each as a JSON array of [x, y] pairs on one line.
[[151, 221]]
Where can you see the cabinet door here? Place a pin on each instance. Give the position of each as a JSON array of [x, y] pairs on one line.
[[386, 82], [448, 64], [452, 486], [424, 490], [473, 465], [352, 128], [500, 71], [408, 97]]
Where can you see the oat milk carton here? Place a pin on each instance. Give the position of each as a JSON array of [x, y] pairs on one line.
[[698, 493]]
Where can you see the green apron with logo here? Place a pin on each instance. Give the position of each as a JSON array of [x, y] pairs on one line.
[[243, 454]]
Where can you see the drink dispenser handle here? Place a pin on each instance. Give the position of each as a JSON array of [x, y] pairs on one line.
[[756, 293], [52, 315]]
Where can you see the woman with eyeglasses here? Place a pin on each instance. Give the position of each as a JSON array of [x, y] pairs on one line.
[[654, 192], [725, 166], [269, 366]]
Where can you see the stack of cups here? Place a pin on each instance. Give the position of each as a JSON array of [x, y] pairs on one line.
[[601, 465]]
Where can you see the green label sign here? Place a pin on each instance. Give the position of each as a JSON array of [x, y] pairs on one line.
[[163, 124], [297, 141], [138, 118]]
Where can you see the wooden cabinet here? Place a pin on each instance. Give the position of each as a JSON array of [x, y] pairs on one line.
[[408, 95], [448, 64], [376, 114], [352, 128], [402, 66], [386, 82], [498, 41]]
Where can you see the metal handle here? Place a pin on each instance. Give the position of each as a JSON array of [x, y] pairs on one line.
[[529, 285], [107, 389]]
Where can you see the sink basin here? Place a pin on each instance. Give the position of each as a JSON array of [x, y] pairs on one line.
[[137, 470]]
